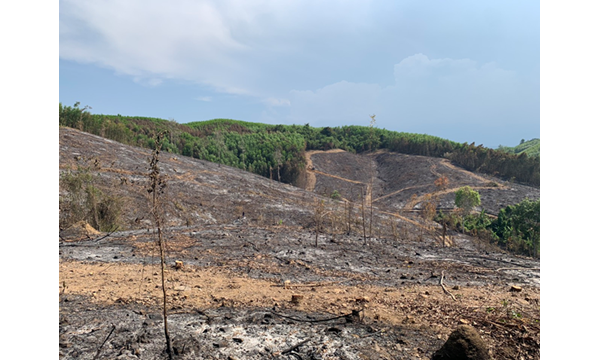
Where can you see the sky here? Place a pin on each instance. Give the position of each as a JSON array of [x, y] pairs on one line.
[[468, 71]]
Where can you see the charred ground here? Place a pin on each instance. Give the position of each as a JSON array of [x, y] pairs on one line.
[[241, 237]]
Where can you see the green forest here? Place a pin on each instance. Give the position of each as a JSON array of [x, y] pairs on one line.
[[277, 151], [530, 147]]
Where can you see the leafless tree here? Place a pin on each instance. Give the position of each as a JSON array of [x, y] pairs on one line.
[[156, 188]]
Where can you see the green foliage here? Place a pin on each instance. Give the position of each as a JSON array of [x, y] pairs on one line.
[[531, 148], [521, 168], [517, 227], [277, 151], [466, 199], [336, 195]]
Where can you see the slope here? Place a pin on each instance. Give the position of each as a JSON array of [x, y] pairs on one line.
[[239, 237], [401, 182]]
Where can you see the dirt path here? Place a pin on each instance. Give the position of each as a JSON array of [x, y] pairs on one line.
[[399, 191], [448, 164], [311, 179]]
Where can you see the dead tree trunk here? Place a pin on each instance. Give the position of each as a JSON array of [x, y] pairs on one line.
[[157, 186]]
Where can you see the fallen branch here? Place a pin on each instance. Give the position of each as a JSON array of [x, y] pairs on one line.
[[353, 313], [517, 269], [444, 287], [290, 349], [306, 285], [107, 235], [105, 340]]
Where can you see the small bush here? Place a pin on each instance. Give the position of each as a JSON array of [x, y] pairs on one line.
[[336, 195], [81, 200]]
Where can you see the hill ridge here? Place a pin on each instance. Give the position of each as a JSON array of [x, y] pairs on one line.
[[276, 151]]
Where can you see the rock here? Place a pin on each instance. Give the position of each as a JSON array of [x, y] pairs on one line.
[[178, 264], [515, 288], [463, 344], [297, 299], [220, 344]]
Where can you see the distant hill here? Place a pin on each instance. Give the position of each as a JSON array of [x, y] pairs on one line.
[[277, 151], [531, 148]]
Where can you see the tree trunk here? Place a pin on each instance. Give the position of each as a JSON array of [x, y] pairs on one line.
[[164, 290]]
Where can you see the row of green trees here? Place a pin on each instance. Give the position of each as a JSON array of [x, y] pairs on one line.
[[277, 151]]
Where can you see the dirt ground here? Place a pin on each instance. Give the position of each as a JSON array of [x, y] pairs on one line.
[[247, 245], [231, 300]]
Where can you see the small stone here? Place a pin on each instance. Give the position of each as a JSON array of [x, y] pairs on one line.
[[220, 344], [515, 288]]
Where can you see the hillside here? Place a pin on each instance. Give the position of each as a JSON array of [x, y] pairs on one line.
[[530, 147], [400, 181], [277, 151], [240, 235]]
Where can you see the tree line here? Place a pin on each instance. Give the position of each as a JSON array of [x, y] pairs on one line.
[[277, 151]]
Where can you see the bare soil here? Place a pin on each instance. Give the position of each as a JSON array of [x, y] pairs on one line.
[[247, 245]]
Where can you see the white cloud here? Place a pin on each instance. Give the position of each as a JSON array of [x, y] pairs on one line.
[[276, 102], [204, 98], [223, 44], [336, 104], [186, 40], [427, 93]]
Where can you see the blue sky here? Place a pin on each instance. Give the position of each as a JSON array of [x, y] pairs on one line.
[[468, 71]]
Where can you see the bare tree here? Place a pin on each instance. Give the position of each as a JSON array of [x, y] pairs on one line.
[[362, 209], [318, 217], [372, 174], [156, 188]]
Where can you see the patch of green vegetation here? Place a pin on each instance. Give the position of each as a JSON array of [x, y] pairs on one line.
[[530, 147], [277, 151], [516, 229]]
